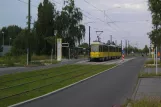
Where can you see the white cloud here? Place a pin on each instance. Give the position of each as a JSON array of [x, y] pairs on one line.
[[131, 6]]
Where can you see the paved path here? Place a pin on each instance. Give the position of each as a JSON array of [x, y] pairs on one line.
[[151, 70], [11, 70], [148, 87], [109, 88]]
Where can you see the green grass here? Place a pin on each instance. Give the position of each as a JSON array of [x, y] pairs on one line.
[[145, 102], [21, 60], [151, 66], [41, 57], [148, 75], [151, 62], [78, 71]]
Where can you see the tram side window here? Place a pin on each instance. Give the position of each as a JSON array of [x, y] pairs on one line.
[[104, 48], [119, 49], [112, 49], [109, 49], [95, 48], [100, 48]]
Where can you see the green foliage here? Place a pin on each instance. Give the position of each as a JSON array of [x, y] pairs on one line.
[[12, 60], [10, 33], [42, 57], [51, 40], [84, 45], [146, 102], [146, 49], [132, 49], [68, 24], [151, 62], [51, 24], [1, 48], [155, 8]]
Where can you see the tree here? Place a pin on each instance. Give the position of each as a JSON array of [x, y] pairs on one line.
[[81, 33], [155, 34], [44, 26], [84, 45], [146, 49], [20, 44], [66, 24], [10, 33], [71, 29]]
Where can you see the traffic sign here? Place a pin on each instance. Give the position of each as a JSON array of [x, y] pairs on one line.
[[158, 54], [123, 51]]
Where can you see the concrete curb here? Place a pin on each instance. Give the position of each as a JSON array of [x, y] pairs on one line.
[[61, 89], [136, 89]]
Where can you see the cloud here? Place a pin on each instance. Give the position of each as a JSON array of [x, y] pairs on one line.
[[131, 6]]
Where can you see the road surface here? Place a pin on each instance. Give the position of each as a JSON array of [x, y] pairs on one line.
[[10, 70], [107, 89]]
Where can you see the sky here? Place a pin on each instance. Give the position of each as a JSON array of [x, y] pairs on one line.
[[123, 19]]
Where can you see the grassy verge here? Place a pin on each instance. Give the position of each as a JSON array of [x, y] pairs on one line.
[[151, 62], [8, 61], [149, 75], [151, 65], [146, 102], [50, 80]]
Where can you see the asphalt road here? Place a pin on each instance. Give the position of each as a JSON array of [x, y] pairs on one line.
[[107, 89], [10, 70]]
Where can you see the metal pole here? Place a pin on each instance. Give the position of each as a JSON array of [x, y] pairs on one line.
[[89, 40], [111, 38], [55, 47], [154, 56], [3, 38], [149, 51], [29, 27], [27, 56], [9, 42], [121, 47], [128, 48], [156, 61], [69, 53], [52, 56]]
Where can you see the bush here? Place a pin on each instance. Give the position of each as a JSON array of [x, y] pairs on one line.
[[8, 61], [42, 57], [151, 62]]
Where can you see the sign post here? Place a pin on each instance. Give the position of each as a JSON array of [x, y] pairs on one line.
[[66, 45], [27, 56], [123, 52], [154, 56], [59, 49], [156, 61]]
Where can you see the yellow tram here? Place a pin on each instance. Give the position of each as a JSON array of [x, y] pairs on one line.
[[103, 51]]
